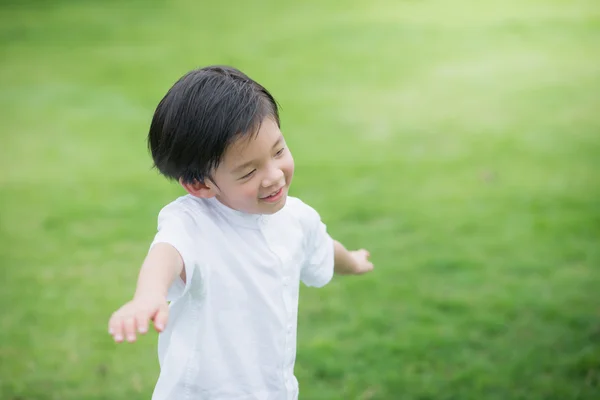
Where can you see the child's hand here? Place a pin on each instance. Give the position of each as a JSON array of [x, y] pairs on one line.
[[361, 261], [133, 317]]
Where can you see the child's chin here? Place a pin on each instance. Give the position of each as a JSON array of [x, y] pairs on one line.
[[273, 208]]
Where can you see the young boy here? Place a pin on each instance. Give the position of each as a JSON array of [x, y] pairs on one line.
[[228, 256]]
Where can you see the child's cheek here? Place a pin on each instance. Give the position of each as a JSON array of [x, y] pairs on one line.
[[288, 168], [250, 192]]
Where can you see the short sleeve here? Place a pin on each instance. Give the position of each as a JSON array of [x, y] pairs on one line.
[[317, 269], [177, 227]]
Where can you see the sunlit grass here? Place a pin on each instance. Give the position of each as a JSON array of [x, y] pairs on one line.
[[458, 141]]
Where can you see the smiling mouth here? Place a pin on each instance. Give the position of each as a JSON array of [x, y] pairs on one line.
[[274, 195]]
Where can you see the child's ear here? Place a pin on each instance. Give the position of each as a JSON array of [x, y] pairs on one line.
[[198, 189]]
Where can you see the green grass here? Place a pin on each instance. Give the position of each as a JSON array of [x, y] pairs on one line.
[[459, 141]]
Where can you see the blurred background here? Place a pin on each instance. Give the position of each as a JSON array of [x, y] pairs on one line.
[[458, 141]]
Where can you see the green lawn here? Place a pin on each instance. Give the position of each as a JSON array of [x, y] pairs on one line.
[[459, 141]]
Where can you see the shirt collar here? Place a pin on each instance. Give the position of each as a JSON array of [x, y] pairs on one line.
[[236, 217]]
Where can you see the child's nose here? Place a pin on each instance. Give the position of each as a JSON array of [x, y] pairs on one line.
[[274, 177]]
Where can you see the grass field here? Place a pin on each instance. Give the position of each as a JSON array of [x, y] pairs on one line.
[[459, 141]]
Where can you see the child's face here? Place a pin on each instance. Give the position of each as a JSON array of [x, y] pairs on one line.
[[255, 173]]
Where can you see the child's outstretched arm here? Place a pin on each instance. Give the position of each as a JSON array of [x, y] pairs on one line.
[[158, 271], [350, 262]]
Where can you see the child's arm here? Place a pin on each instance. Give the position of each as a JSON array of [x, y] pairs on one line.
[[158, 271], [350, 262]]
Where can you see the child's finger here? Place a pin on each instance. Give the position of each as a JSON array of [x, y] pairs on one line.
[[129, 325], [116, 329], [161, 317], [141, 320], [368, 266]]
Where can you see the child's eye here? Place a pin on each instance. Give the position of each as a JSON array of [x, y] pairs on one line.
[[248, 175], [280, 152]]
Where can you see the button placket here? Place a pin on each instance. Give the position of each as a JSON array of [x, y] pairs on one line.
[[282, 256], [276, 243]]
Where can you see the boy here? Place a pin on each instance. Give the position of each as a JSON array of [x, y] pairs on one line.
[[228, 256]]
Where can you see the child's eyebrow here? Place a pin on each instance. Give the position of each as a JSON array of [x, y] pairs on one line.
[[240, 168], [245, 165], [279, 139]]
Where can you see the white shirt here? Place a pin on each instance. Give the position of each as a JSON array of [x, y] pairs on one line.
[[231, 333]]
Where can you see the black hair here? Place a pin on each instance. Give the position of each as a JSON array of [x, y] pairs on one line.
[[202, 114]]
